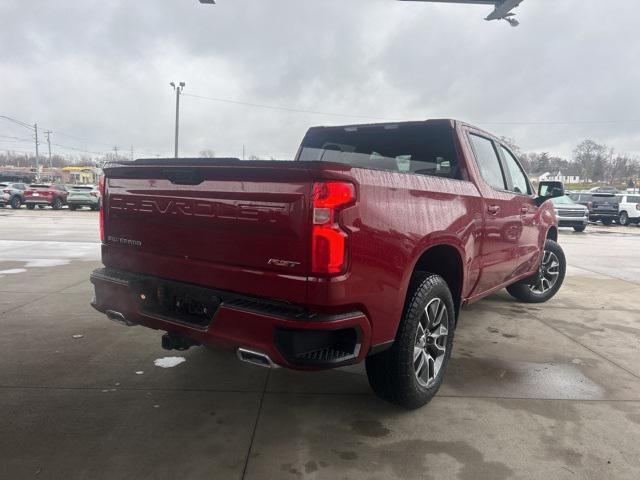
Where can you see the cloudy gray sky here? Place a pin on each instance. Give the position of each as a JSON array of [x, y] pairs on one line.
[[96, 72]]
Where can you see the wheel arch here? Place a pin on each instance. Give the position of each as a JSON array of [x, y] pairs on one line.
[[552, 233], [443, 259]]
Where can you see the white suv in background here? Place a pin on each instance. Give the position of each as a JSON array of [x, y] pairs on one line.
[[629, 209]]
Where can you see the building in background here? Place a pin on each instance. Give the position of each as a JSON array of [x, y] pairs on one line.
[[80, 175]]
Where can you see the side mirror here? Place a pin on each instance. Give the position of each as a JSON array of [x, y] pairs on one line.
[[547, 190]]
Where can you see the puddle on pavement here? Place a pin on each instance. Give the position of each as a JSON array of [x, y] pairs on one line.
[[500, 378]]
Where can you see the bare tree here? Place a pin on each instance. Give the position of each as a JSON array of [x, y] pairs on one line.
[[592, 159], [207, 153]]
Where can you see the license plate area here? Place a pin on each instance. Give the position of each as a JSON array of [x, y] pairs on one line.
[[176, 302]]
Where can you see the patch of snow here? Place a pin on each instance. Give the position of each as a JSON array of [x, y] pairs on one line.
[[168, 362], [77, 335], [12, 270], [46, 262], [140, 372]]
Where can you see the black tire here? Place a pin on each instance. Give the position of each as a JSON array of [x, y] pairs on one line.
[[57, 204], [16, 202], [31, 206], [580, 229], [623, 219], [524, 290], [607, 221], [392, 373], [95, 208], [41, 207], [73, 207]]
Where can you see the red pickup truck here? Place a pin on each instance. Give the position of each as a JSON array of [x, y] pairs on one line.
[[366, 247]]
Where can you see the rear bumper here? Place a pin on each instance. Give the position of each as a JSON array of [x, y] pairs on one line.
[[37, 201], [290, 335], [603, 216], [82, 202]]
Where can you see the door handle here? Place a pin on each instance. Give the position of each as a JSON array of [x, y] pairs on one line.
[[493, 209]]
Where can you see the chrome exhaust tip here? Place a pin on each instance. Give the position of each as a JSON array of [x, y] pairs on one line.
[[255, 358], [118, 318]]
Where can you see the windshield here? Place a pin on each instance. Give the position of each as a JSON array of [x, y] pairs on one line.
[[563, 201], [424, 148]]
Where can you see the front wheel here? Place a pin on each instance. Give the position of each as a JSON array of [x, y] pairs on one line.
[[16, 202], [607, 221], [31, 206], [623, 219], [580, 228], [410, 372], [57, 204], [547, 281]]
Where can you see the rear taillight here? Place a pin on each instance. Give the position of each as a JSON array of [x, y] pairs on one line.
[[6, 191], [101, 188], [329, 242]]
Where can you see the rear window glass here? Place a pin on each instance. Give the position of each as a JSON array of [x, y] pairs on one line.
[[420, 149], [78, 189], [633, 199], [3, 185], [38, 185]]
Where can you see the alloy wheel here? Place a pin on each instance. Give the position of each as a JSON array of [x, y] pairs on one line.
[[430, 343], [547, 273]]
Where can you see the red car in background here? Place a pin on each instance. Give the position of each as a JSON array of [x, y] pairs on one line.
[[42, 195]]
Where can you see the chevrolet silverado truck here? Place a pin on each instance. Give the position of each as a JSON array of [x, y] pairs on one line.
[[364, 248]]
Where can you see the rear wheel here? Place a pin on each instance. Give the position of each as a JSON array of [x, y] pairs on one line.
[[57, 204], [41, 207], [623, 219], [30, 206], [580, 228], [73, 207], [16, 202], [607, 221], [95, 208], [547, 281], [410, 373]]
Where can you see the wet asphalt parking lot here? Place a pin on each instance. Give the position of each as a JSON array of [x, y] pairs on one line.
[[545, 391]]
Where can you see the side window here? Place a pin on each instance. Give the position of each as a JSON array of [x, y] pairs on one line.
[[488, 162], [518, 178]]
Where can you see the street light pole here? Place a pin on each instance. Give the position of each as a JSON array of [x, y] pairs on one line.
[[178, 89]]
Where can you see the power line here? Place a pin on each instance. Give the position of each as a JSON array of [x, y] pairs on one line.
[[282, 108], [379, 117]]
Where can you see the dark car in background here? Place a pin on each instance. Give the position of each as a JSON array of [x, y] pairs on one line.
[[84, 196], [602, 206], [42, 195], [570, 213], [12, 194]]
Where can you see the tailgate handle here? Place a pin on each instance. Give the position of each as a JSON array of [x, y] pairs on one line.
[[183, 176]]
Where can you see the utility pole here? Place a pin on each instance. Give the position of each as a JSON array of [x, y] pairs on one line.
[[35, 127], [115, 149], [243, 151], [48, 134], [178, 89]]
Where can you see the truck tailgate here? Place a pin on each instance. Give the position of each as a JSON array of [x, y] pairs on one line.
[[236, 217]]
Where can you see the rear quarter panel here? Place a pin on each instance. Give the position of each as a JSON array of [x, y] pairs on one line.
[[397, 218]]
